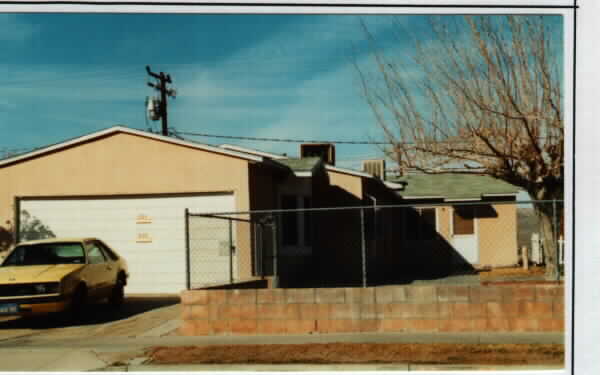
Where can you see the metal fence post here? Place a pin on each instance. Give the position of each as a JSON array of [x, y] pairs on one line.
[[254, 232], [230, 251], [258, 246], [555, 235], [363, 247], [188, 281], [275, 260]]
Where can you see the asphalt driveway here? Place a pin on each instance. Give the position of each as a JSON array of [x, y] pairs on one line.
[[139, 316]]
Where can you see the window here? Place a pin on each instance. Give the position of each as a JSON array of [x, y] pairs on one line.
[[95, 255], [462, 220], [108, 253], [421, 224], [40, 254]]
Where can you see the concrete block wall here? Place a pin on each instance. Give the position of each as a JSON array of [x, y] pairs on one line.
[[495, 308]]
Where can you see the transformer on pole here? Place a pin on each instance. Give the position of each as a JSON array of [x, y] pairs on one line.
[[157, 107]]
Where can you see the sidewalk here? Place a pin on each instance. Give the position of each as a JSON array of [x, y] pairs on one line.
[[127, 354]]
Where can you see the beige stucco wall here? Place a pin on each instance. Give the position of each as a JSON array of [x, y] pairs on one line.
[[121, 164], [350, 183], [498, 237], [444, 215]]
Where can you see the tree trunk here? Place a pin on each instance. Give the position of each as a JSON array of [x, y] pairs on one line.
[[548, 224]]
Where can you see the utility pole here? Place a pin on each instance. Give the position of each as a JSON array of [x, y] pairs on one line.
[[161, 86]]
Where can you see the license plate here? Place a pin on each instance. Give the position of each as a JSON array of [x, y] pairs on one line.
[[9, 308]]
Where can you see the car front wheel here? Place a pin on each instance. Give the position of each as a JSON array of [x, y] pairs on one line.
[[118, 293], [78, 303]]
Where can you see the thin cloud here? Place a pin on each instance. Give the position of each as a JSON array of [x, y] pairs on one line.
[[322, 105], [80, 86], [12, 29]]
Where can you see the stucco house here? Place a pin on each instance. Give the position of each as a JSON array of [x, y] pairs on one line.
[[471, 217], [458, 222], [131, 188]]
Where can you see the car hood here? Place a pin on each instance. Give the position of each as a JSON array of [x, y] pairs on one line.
[[32, 274]]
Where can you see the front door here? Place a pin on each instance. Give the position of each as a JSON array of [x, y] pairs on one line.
[[464, 233]]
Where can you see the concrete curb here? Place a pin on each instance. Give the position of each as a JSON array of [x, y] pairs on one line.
[[407, 367], [140, 342], [426, 338]]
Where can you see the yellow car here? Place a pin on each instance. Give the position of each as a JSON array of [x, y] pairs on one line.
[[60, 275]]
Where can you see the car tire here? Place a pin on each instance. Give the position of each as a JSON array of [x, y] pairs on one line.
[[78, 303], [117, 295]]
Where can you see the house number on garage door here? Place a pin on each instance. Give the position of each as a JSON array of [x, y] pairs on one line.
[[143, 219], [143, 237]]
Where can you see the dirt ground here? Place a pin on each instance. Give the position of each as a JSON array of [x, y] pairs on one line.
[[353, 353], [514, 273]]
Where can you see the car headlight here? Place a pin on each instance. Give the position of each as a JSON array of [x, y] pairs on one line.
[[46, 288]]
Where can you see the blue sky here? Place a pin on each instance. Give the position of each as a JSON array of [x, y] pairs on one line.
[[282, 76]]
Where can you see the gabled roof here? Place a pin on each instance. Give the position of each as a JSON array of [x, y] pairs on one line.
[[253, 151], [126, 130], [452, 186], [351, 172], [302, 167], [296, 164]]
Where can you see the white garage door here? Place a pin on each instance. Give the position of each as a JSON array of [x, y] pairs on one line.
[[149, 232]]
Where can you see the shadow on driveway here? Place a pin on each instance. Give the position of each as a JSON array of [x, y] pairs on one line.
[[95, 314]]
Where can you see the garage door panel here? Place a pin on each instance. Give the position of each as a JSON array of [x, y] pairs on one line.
[[148, 232]]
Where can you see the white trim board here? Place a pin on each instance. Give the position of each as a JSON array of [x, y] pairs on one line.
[[303, 174], [252, 151], [347, 171], [122, 129]]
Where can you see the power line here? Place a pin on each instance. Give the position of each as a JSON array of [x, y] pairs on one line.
[[283, 139], [288, 140]]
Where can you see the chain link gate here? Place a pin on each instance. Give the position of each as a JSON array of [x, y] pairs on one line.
[[226, 249]]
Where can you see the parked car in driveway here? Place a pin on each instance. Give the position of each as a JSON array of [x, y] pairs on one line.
[[60, 275]]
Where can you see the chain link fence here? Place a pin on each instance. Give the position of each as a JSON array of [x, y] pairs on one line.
[[223, 249], [377, 245]]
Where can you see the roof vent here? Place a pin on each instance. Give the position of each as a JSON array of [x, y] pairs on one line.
[[326, 151], [375, 167]]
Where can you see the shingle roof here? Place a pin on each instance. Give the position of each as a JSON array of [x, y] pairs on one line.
[[300, 164], [452, 186]]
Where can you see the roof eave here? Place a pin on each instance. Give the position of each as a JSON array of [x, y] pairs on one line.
[[122, 129], [347, 171], [499, 194], [421, 197], [462, 199], [303, 174], [252, 151], [393, 185]]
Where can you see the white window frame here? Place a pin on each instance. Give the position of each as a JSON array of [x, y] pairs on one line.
[[475, 224]]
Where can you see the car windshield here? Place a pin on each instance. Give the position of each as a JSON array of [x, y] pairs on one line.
[[47, 253]]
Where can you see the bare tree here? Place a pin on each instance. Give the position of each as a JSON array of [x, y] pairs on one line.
[[484, 96]]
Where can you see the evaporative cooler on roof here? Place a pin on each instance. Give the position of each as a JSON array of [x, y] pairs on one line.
[[326, 151]]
